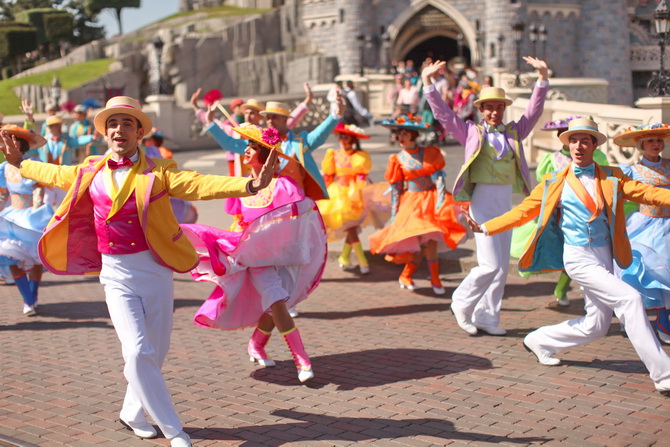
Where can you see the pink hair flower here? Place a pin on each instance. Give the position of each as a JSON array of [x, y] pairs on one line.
[[270, 136]]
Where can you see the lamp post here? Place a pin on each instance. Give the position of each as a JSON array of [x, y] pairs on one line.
[[501, 41], [532, 36], [659, 83], [361, 52], [542, 32], [56, 91], [158, 46], [386, 50], [517, 30]]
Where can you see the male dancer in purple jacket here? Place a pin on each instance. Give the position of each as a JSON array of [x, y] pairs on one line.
[[494, 167]]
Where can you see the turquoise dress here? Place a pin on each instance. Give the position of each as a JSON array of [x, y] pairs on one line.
[[21, 224], [649, 234]]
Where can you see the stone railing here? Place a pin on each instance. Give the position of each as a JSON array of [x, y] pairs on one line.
[[612, 120]]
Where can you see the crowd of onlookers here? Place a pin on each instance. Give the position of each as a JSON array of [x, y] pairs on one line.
[[459, 86]]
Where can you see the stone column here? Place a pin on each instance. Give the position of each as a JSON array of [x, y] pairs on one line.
[[499, 19], [348, 48], [604, 47]]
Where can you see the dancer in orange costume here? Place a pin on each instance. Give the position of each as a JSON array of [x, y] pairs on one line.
[[425, 219]]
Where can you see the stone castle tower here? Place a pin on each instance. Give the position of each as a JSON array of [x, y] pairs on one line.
[[608, 39]]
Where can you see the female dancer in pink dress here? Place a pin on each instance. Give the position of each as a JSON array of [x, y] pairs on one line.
[[273, 260]]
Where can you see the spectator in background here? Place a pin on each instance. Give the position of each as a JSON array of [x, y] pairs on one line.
[[488, 81], [408, 98], [355, 113], [81, 126]]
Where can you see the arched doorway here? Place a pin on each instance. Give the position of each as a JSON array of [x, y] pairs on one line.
[[438, 47]]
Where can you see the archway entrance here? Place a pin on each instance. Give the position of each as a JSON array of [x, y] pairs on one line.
[[438, 47]]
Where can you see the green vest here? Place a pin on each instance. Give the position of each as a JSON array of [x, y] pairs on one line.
[[486, 169]]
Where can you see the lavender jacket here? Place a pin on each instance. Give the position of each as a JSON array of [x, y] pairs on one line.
[[471, 136]]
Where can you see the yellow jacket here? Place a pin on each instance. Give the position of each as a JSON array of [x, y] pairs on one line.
[[545, 249], [69, 244]]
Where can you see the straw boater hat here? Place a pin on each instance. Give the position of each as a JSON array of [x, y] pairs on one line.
[[409, 122], [34, 140], [582, 125], [54, 120], [265, 137], [121, 104], [253, 104], [351, 129], [276, 108], [633, 136], [490, 94]]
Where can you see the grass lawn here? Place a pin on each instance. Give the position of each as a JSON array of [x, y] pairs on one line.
[[217, 11], [69, 77]]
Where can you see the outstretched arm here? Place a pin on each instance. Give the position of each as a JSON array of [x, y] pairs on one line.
[[536, 104], [447, 118]]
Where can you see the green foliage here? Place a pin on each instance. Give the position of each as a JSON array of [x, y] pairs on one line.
[[85, 29], [70, 77], [51, 24], [58, 26], [95, 6], [16, 38], [218, 11]]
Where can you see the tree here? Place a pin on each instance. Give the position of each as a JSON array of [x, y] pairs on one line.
[[95, 6], [85, 29], [53, 26], [16, 39]]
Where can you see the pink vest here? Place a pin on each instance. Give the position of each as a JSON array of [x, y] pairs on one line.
[[122, 233]]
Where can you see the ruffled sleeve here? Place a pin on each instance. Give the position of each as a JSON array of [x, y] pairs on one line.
[[433, 159], [328, 163], [361, 163], [394, 173]]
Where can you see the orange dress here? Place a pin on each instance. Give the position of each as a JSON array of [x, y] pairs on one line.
[[423, 209]]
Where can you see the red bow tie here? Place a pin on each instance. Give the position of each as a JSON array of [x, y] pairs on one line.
[[111, 164], [55, 138]]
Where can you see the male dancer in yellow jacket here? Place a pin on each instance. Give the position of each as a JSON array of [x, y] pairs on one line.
[[116, 220], [582, 228]]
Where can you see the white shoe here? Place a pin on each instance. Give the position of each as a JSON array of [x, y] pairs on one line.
[[439, 290], [142, 430], [410, 287], [464, 322], [665, 338], [491, 330], [305, 374], [293, 312], [346, 266], [29, 311], [181, 440], [265, 363], [542, 358], [563, 301], [9, 281], [365, 269], [663, 387]]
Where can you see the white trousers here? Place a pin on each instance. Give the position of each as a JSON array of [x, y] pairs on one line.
[[480, 293], [604, 295], [140, 298]]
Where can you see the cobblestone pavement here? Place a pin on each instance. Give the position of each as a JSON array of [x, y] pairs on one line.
[[392, 368]]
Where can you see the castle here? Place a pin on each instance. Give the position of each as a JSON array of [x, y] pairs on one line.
[[609, 39]]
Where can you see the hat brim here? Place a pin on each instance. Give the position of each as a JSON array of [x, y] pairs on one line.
[[251, 106], [551, 129], [100, 120], [630, 139], [480, 101], [34, 140], [359, 136], [565, 136], [275, 112], [251, 137], [406, 126]]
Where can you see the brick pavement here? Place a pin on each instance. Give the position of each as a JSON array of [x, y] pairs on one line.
[[392, 368]]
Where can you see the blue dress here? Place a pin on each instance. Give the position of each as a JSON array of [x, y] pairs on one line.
[[649, 233], [21, 224]]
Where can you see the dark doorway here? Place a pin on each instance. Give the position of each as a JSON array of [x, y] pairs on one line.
[[439, 47]]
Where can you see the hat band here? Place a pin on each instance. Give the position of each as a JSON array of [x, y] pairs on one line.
[[583, 128], [277, 111], [124, 106]]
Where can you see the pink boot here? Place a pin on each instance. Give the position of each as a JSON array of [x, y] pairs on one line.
[[294, 342], [256, 348]]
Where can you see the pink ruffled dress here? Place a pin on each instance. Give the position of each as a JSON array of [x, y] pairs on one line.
[[277, 252]]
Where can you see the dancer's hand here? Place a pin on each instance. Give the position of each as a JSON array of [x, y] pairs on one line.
[[540, 65], [211, 110], [195, 97], [10, 147], [474, 226], [27, 108], [308, 94], [430, 71], [267, 173]]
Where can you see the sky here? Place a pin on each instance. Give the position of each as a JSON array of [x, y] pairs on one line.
[[134, 18]]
